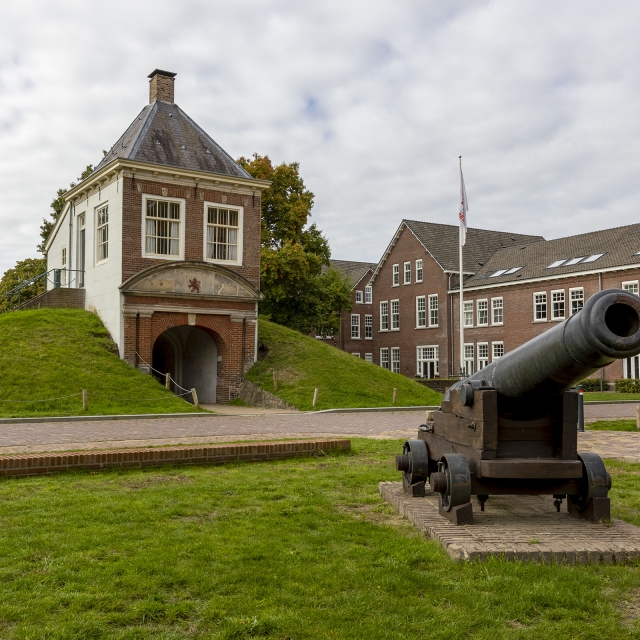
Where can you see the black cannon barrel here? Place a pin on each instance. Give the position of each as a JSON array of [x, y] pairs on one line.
[[606, 329]]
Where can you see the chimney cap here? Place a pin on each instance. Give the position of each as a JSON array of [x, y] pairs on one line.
[[160, 72]]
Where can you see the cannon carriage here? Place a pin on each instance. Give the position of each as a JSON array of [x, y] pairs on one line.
[[511, 428]]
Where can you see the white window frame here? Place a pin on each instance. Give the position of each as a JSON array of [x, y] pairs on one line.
[[383, 315], [384, 357], [631, 283], [395, 362], [467, 307], [368, 326], [63, 270], [571, 299], [478, 302], [431, 309], [99, 227], [421, 314], [357, 355], [355, 326], [495, 308], [555, 317], [420, 360], [469, 359], [480, 359], [359, 297], [395, 317], [546, 306], [407, 273], [160, 256], [218, 205], [499, 343], [419, 270], [368, 357], [395, 277], [368, 294]]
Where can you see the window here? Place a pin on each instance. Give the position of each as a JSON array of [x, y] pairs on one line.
[[540, 307], [631, 367], [557, 305], [467, 308], [102, 233], [384, 316], [419, 270], [497, 309], [593, 258], [395, 315], [557, 263], [433, 310], [468, 359], [357, 355], [483, 355], [576, 296], [396, 275], [573, 261], [355, 326], [395, 359], [384, 358], [63, 274], [162, 228], [223, 234], [407, 273], [498, 350], [359, 297], [368, 357], [500, 272], [368, 294], [368, 327], [427, 358], [483, 313], [631, 287], [421, 312]]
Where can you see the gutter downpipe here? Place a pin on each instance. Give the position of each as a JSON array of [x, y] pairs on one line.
[[69, 250], [451, 336], [602, 368]]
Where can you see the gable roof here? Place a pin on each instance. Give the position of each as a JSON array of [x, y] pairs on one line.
[[620, 246], [353, 270], [164, 134]]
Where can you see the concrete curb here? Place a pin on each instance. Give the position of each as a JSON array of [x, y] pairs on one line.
[[374, 409]]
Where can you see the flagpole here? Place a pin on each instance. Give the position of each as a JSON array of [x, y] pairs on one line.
[[461, 293]]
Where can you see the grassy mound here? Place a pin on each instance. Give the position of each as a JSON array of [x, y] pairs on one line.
[[302, 364], [53, 353]]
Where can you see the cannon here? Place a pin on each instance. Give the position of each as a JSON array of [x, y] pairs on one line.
[[511, 428]]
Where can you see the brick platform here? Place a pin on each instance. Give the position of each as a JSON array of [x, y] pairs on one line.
[[525, 528], [32, 465]]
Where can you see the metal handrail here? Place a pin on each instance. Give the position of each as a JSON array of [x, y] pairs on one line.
[[57, 283]]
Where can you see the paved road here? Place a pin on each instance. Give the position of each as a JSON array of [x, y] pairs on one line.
[[69, 436]]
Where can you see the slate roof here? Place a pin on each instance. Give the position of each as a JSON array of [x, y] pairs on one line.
[[164, 134], [620, 245], [354, 270], [441, 240]]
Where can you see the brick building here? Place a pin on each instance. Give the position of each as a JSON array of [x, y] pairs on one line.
[[164, 239], [516, 286]]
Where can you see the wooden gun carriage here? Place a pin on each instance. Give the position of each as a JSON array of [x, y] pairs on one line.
[[511, 428]]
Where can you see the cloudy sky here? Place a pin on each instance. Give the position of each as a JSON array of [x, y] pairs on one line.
[[375, 99]]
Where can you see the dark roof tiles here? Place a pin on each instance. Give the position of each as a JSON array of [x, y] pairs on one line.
[[353, 270]]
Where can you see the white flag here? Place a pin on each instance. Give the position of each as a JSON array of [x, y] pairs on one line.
[[462, 214]]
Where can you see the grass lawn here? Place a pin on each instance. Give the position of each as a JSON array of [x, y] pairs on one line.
[[613, 425], [50, 353], [302, 364], [298, 549], [596, 396]]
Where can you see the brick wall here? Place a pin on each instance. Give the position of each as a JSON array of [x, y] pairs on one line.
[[59, 297]]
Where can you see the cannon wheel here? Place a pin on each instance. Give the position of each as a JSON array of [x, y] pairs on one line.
[[458, 480], [595, 482], [416, 462]]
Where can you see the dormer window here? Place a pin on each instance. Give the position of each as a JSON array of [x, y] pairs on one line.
[[223, 235]]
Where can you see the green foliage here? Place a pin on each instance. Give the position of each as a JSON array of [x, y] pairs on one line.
[[609, 396], [299, 292], [24, 270], [299, 548], [627, 385], [302, 364], [593, 384], [613, 425], [51, 353]]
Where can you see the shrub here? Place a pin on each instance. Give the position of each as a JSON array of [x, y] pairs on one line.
[[593, 384], [628, 385]]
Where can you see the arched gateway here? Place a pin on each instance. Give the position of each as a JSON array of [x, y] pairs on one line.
[[194, 320]]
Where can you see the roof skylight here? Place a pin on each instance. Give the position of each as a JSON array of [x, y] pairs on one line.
[[594, 257], [557, 263], [573, 261], [512, 270], [498, 273]]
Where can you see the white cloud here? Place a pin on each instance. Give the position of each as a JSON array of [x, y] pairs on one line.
[[375, 100]]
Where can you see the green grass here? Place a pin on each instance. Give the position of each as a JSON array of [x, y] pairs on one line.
[[613, 425], [302, 364], [299, 549], [50, 353], [596, 396]]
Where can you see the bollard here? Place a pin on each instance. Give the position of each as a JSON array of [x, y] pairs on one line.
[[315, 396], [580, 408], [167, 381], [395, 395], [638, 416], [84, 400], [275, 381], [196, 404]]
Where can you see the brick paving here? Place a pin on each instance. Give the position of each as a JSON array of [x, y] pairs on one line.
[[525, 528]]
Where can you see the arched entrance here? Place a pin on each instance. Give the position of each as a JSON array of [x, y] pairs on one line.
[[190, 355]]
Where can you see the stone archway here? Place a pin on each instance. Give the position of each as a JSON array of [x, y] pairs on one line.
[[190, 355]]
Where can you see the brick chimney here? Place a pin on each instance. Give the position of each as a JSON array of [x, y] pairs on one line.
[[161, 86]]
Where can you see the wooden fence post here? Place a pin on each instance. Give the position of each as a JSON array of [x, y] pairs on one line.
[[315, 396], [195, 398], [84, 400], [167, 381], [395, 394], [275, 381]]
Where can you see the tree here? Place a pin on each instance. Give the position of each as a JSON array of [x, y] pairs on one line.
[[24, 270], [57, 204], [300, 290]]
